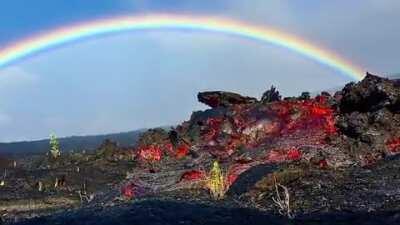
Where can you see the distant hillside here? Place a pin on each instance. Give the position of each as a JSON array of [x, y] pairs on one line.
[[395, 76], [71, 143]]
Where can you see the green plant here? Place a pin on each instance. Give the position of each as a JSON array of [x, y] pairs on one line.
[[54, 146], [216, 182]]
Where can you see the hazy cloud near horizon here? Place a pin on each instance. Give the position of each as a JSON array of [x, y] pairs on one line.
[[144, 79]]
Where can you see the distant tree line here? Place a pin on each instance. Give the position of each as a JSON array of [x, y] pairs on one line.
[[76, 143]]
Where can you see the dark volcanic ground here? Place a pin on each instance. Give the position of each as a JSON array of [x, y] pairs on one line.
[[337, 157], [359, 196], [158, 212]]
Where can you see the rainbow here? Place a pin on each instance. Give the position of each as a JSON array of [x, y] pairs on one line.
[[58, 37]]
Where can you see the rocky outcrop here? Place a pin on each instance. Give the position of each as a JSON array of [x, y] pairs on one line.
[[357, 126], [223, 99], [369, 117], [371, 94]]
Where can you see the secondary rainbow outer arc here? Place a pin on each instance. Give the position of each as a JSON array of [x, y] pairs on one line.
[[64, 35]]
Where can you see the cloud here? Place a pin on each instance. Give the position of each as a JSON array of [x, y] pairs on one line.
[[13, 77], [5, 119], [363, 31], [15, 86]]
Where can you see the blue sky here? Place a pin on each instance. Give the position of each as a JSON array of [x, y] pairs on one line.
[[145, 79]]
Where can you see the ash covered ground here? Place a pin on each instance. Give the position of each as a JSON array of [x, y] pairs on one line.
[[329, 159]]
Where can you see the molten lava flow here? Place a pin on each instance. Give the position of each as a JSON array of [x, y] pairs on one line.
[[306, 114], [276, 156], [322, 164], [182, 151], [128, 191], [193, 175], [370, 159], [213, 129], [132, 190], [250, 134], [393, 145], [293, 154], [135, 189], [282, 155], [304, 122], [169, 148], [151, 153]]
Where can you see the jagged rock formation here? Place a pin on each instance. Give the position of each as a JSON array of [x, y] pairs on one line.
[[223, 99], [369, 117]]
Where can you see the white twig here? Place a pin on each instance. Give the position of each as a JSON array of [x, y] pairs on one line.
[[283, 203], [2, 182], [83, 195]]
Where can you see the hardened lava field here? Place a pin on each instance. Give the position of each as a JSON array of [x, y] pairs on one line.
[[329, 153]]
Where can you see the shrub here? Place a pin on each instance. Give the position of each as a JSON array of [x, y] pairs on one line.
[[216, 182], [54, 146]]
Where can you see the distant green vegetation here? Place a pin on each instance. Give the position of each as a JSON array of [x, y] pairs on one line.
[[67, 144]]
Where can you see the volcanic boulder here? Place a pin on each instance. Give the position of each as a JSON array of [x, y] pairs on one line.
[[223, 99], [371, 94], [369, 117]]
